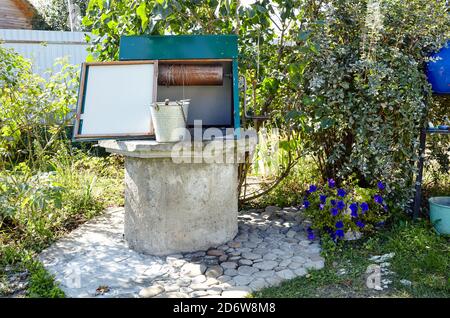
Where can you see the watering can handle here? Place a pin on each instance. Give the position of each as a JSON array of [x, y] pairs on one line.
[[182, 111]]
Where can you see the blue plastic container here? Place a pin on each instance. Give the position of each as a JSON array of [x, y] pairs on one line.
[[438, 72], [440, 214]]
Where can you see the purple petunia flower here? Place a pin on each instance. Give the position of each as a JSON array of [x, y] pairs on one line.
[[354, 208], [339, 224], [311, 235], [360, 224], [364, 207], [334, 211], [306, 204], [381, 185], [340, 233], [341, 192], [378, 199], [341, 205], [323, 198], [385, 207], [333, 202], [321, 206], [331, 183], [312, 188]]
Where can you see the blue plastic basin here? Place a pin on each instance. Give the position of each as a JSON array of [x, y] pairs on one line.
[[440, 214], [438, 72]]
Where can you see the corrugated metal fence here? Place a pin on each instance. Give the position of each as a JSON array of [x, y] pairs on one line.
[[44, 47]]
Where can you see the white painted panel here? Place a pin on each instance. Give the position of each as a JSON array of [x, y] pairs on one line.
[[118, 99]]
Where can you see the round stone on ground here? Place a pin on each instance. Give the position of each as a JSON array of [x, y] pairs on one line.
[[231, 272], [242, 280], [236, 292], [286, 274], [199, 286], [192, 270], [228, 265], [234, 244], [251, 256], [151, 291], [270, 257], [224, 278], [214, 271], [258, 284], [199, 279], [176, 295], [247, 270], [199, 293], [215, 252], [244, 261], [266, 265]]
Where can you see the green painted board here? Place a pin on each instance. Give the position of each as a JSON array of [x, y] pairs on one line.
[[171, 47]]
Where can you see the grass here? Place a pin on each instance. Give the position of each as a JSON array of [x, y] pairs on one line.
[[421, 256]]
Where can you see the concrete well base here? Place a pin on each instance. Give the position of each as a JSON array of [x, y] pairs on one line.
[[173, 207]]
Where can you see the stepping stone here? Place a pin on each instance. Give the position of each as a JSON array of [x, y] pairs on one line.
[[231, 272], [242, 280], [214, 271], [247, 270], [286, 274], [151, 291], [192, 270], [270, 257], [264, 274], [199, 279], [300, 271], [228, 265], [224, 278], [266, 265], [234, 244], [251, 256], [258, 284], [215, 252], [236, 292], [244, 261]]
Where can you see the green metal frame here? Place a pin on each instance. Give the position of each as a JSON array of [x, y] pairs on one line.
[[180, 47]]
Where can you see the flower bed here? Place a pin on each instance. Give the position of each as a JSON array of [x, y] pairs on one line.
[[343, 213]]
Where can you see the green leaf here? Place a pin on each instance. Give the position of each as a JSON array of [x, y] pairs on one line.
[[142, 14], [304, 35]]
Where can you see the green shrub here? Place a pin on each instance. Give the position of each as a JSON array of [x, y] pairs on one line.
[[34, 113], [366, 92]]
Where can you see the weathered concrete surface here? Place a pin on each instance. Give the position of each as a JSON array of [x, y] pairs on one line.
[[95, 261], [180, 197], [173, 208]]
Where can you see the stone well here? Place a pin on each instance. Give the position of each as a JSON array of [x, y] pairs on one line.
[[180, 197]]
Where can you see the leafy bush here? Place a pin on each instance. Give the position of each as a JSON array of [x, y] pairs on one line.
[[365, 93], [344, 212], [34, 113], [54, 14]]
